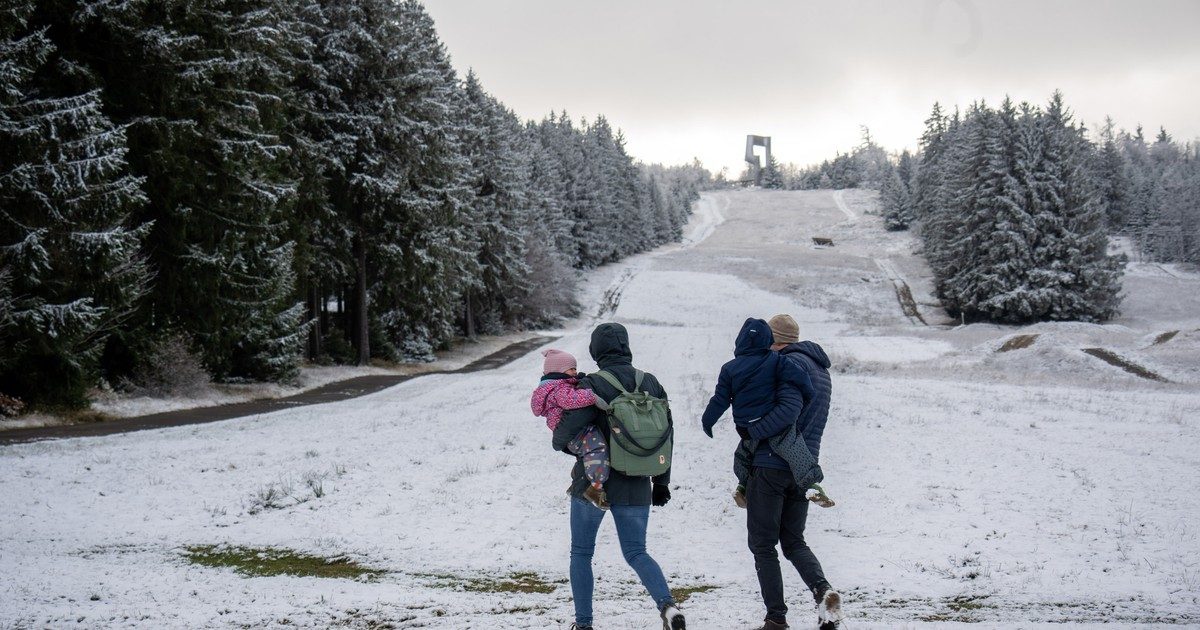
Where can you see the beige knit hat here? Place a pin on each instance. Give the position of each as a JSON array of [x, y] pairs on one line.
[[785, 329]]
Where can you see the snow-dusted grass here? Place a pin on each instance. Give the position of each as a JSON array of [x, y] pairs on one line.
[[974, 488]]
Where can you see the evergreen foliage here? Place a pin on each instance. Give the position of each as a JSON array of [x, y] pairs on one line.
[[772, 178], [1011, 216], [302, 176], [70, 268]]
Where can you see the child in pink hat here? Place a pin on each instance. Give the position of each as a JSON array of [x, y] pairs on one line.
[[559, 391]]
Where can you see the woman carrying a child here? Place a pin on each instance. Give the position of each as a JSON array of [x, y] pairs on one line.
[[583, 431]]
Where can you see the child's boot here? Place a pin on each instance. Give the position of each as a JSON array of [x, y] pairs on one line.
[[596, 496], [817, 495], [739, 497]]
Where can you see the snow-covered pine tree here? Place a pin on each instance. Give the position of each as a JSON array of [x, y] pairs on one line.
[[202, 88], [772, 178], [1072, 276], [550, 248], [1001, 288], [874, 165], [564, 145], [637, 233], [939, 214], [428, 253], [895, 201], [71, 271], [604, 215], [322, 241], [1160, 238], [491, 139], [1012, 226], [548, 188], [1111, 175], [929, 190]]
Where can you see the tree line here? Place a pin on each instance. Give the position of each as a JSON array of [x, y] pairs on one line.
[[269, 179]]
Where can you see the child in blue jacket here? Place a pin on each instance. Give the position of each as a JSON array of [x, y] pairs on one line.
[[755, 383]]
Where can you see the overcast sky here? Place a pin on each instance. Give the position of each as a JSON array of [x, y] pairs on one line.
[[688, 78]]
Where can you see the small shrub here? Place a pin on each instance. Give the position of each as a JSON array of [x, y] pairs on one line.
[[169, 368], [10, 407], [336, 348]]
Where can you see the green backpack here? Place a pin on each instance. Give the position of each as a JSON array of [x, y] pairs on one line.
[[640, 430]]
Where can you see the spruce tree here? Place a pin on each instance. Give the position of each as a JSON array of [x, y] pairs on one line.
[[202, 87], [895, 201], [492, 141], [71, 271], [772, 179], [428, 255]]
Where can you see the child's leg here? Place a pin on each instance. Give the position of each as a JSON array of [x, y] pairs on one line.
[[590, 446], [743, 457], [791, 448]]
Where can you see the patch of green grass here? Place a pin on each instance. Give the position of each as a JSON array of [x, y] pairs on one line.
[[519, 582], [272, 561], [682, 593]]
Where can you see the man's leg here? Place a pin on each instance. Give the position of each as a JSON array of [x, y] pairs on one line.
[[585, 522], [764, 511], [631, 521], [791, 537]]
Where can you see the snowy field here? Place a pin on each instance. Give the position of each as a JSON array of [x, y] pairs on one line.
[[975, 488]]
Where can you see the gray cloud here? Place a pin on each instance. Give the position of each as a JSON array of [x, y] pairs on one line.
[[692, 77]]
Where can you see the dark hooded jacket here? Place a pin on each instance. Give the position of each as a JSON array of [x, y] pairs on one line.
[[751, 381], [810, 420], [610, 351]]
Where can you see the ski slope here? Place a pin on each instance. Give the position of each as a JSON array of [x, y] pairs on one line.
[[978, 488]]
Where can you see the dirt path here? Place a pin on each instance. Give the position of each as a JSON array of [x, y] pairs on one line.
[[903, 292], [333, 392]]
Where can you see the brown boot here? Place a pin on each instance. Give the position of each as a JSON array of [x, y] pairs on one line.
[[773, 625], [739, 497], [596, 496]]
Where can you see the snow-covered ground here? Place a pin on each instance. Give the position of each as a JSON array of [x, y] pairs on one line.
[[974, 487]]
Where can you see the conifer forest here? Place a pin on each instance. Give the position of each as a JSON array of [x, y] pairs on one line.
[[264, 181]]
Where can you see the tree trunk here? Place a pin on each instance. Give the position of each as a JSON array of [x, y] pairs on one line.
[[324, 308], [470, 318], [360, 302], [314, 314]]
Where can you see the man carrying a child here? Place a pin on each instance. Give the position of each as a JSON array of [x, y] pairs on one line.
[[780, 390]]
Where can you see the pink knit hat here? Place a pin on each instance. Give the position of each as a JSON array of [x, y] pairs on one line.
[[557, 361]]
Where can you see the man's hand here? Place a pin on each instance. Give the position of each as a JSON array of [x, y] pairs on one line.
[[661, 494], [743, 432], [707, 429]]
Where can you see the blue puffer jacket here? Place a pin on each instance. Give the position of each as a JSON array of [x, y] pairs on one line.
[[752, 380], [810, 419]]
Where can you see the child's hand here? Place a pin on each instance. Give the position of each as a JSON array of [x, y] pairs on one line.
[[707, 429]]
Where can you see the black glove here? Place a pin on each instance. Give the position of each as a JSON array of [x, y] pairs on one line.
[[743, 432], [660, 495]]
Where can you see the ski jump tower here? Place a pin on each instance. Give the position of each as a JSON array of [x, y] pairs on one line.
[[755, 166]]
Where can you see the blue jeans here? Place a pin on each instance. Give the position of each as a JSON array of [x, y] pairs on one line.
[[631, 523]]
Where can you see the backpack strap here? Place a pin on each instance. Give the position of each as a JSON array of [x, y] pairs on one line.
[[612, 380], [609, 378]]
